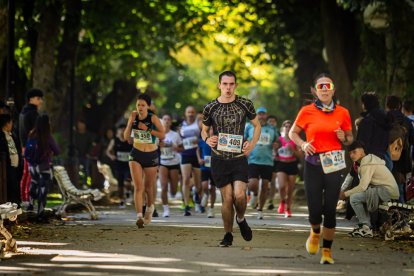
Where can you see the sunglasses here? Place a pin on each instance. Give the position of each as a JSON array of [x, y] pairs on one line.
[[324, 85]]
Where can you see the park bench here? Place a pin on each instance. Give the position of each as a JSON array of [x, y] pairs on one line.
[[111, 183], [72, 195], [8, 211], [399, 219]]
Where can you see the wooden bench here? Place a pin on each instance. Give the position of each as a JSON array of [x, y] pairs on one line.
[[111, 183], [8, 211], [72, 195], [400, 219]]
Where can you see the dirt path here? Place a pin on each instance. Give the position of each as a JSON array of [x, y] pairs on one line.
[[187, 246]]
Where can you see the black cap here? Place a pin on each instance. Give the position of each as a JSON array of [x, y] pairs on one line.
[[356, 145], [34, 92]]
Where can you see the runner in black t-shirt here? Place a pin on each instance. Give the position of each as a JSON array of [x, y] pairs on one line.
[[227, 116]]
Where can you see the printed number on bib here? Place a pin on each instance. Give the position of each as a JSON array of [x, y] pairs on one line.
[[230, 142], [332, 161], [207, 161], [167, 153], [122, 156], [264, 139], [190, 142], [142, 137]]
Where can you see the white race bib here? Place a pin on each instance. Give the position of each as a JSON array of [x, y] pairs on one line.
[[207, 161], [142, 137], [190, 142], [332, 161], [230, 142], [122, 156], [264, 139], [167, 153], [285, 152]]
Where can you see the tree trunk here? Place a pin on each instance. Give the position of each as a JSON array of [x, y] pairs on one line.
[[66, 63], [43, 69], [107, 114], [3, 49], [342, 47]]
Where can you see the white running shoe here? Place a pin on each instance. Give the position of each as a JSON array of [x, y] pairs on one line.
[[204, 200], [166, 212], [259, 214], [210, 213]]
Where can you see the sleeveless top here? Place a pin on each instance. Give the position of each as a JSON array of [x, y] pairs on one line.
[[142, 136], [122, 149]]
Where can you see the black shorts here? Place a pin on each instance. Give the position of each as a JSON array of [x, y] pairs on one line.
[[260, 171], [289, 168], [275, 162], [145, 159], [172, 167], [227, 171], [190, 159], [206, 176]]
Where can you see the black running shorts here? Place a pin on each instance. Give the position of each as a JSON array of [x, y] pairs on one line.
[[227, 171], [145, 159]]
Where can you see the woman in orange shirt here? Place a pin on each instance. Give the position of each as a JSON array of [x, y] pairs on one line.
[[327, 126]]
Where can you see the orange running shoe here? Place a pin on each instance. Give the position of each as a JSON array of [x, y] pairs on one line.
[[312, 243], [327, 256]]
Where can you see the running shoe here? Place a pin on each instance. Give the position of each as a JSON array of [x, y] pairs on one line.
[[270, 206], [122, 205], [259, 214], [140, 223], [155, 214], [227, 240], [362, 230], [187, 211], [327, 256], [148, 214], [281, 208], [166, 212], [204, 200], [288, 214], [312, 243], [245, 230], [210, 213]]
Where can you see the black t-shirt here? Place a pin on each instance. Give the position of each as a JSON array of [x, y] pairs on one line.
[[228, 118]]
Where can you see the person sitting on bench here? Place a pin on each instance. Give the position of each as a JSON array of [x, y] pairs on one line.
[[376, 185]]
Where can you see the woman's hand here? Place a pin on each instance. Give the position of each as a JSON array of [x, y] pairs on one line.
[[308, 148]]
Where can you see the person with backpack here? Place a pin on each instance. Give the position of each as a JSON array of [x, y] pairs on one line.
[[40, 148], [27, 119], [401, 130], [374, 128]]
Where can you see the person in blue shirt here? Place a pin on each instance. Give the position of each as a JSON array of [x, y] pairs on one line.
[[261, 159], [207, 183]]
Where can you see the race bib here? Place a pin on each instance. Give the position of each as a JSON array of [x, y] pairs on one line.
[[207, 161], [264, 139], [190, 142], [230, 142], [142, 137], [332, 161], [167, 153], [122, 156], [285, 152]]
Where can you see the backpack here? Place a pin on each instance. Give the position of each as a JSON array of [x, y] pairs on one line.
[[397, 140], [30, 151]]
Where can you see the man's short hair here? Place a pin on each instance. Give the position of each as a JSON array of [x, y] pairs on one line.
[[229, 74], [4, 119], [408, 105], [34, 93], [356, 145]]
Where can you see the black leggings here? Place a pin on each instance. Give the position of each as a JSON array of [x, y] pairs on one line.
[[39, 187], [322, 193]]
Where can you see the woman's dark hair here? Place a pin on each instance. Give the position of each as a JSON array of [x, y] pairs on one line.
[[229, 74], [4, 119], [322, 75], [370, 101], [145, 97], [393, 102], [41, 132]]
